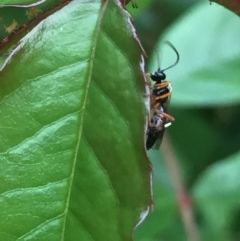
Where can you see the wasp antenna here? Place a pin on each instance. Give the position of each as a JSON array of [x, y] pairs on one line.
[[176, 52], [158, 60]]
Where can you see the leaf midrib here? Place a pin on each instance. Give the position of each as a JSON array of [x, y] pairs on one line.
[[90, 73]]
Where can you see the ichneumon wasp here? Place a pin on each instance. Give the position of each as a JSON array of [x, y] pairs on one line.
[[159, 103]]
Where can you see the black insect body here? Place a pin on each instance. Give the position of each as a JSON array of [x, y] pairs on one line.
[[160, 100], [155, 126], [159, 120]]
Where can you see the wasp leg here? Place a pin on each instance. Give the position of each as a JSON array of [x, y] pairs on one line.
[[165, 115]]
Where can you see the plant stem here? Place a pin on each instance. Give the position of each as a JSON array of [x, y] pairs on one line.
[[183, 198]]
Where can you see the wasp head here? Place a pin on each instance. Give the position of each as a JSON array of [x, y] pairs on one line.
[[158, 76]]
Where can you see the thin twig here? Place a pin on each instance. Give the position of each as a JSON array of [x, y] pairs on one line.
[[183, 198]]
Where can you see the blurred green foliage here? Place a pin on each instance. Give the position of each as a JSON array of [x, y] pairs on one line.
[[205, 104]]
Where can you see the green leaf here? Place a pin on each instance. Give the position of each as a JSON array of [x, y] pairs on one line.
[[17, 19], [217, 192], [165, 217], [22, 2], [72, 116], [207, 39]]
